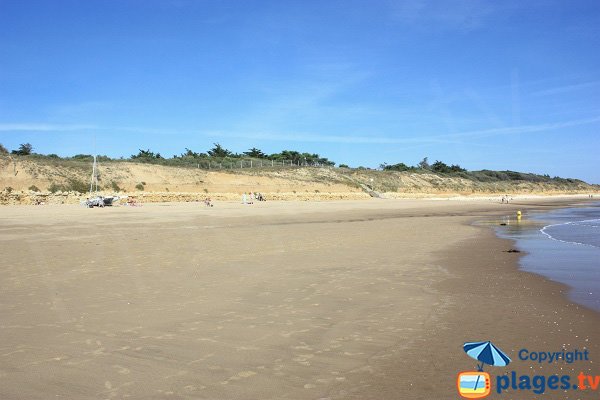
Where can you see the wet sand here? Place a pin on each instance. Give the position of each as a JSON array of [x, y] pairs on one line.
[[356, 299]]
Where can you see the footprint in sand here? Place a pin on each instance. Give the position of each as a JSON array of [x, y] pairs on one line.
[[97, 352], [246, 374], [121, 370], [238, 376], [192, 388]]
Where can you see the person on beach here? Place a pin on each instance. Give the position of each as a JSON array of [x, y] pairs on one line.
[[244, 199], [251, 197]]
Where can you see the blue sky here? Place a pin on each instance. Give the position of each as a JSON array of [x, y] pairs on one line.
[[485, 84]]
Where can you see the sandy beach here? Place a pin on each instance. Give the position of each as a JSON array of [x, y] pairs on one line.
[[278, 300]]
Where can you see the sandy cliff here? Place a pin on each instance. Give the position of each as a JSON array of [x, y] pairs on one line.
[[26, 180]]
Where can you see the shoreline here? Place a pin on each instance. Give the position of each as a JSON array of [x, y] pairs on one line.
[[539, 317], [572, 263], [302, 300]]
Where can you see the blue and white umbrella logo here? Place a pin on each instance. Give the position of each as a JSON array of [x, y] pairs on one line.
[[486, 353]]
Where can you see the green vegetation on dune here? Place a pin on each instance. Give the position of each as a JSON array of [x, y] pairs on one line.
[[436, 176], [220, 157], [442, 169]]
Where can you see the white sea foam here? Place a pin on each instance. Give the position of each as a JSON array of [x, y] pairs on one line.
[[571, 256], [585, 223]]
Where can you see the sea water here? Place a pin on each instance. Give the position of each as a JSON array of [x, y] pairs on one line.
[[564, 246]]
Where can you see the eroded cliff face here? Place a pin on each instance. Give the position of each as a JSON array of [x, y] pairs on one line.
[[25, 180]]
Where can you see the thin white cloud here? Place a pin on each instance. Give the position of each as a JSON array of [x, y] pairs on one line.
[[34, 127], [307, 136], [566, 88], [422, 139], [523, 128], [462, 15], [42, 127], [72, 110]]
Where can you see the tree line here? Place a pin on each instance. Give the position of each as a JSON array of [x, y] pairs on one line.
[[217, 153], [220, 153], [24, 149], [437, 166]]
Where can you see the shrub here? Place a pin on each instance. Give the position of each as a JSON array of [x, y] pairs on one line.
[[25, 149], [34, 188], [146, 155], [72, 185], [443, 168], [424, 163], [75, 185], [397, 167], [82, 157], [139, 186], [3, 150], [53, 188], [115, 186]]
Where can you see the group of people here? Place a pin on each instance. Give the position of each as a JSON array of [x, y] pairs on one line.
[[506, 199], [249, 198], [132, 202], [94, 202]]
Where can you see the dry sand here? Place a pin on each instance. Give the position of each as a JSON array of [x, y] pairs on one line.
[[338, 300]]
